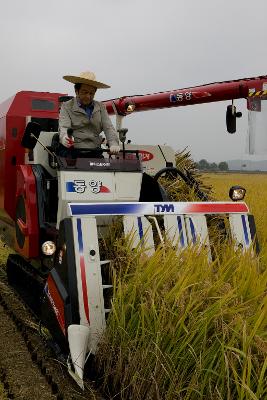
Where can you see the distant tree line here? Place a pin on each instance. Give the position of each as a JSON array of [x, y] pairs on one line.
[[204, 165]]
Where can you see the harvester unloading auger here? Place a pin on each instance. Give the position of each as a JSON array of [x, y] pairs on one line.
[[55, 211]]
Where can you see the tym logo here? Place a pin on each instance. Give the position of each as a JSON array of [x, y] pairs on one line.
[[161, 208]]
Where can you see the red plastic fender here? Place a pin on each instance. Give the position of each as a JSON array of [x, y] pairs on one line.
[[26, 189]]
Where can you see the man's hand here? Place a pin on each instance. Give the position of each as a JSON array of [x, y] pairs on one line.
[[114, 149], [67, 141]]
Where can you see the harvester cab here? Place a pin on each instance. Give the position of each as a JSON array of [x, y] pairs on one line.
[[59, 212]]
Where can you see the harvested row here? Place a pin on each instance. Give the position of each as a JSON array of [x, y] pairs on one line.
[[28, 367]]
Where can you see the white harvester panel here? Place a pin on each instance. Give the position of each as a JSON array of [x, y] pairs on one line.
[[240, 230], [197, 231], [89, 279], [96, 186], [175, 230], [153, 158], [185, 222], [127, 186], [140, 231], [88, 186], [186, 230], [157, 208]]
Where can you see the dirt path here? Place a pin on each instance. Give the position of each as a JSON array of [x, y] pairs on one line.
[[28, 369], [23, 378]]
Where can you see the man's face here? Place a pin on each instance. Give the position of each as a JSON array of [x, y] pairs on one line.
[[86, 94]]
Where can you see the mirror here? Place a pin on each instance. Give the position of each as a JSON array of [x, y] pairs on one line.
[[231, 115]]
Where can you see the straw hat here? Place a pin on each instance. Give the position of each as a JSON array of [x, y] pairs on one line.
[[86, 77]]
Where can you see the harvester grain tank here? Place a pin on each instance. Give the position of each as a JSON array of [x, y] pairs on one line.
[[55, 211]]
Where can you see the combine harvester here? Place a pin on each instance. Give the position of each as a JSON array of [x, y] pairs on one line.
[[55, 212]]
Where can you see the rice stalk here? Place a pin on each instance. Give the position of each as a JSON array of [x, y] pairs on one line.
[[184, 328]]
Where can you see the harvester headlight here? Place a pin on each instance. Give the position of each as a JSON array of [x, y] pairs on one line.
[[48, 248], [129, 107], [237, 193]]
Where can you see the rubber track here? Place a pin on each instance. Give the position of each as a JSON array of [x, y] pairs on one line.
[[61, 385]]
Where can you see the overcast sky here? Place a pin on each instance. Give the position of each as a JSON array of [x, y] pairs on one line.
[[139, 47]]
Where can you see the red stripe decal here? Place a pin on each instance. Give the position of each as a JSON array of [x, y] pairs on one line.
[[84, 288], [82, 269], [209, 208]]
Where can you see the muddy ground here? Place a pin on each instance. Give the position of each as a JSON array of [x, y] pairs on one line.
[[22, 377]]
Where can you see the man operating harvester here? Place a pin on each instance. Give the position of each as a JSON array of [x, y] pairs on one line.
[[87, 118]]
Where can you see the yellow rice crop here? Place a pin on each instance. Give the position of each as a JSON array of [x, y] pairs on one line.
[[256, 196], [184, 328]]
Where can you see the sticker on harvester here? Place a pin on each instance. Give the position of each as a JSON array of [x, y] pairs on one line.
[[99, 164], [163, 208], [148, 208], [264, 86], [144, 155], [98, 187], [180, 96], [79, 186]]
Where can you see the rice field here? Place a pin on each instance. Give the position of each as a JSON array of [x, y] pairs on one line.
[[256, 196], [185, 328]]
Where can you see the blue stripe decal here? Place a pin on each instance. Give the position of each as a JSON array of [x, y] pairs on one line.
[[140, 227], [180, 228], [243, 218], [106, 209], [80, 237], [193, 232], [70, 187]]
